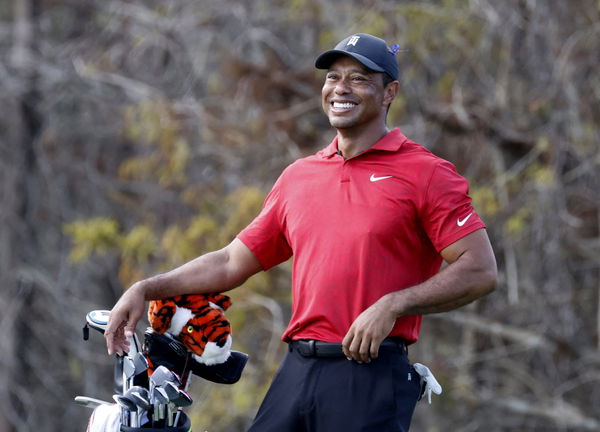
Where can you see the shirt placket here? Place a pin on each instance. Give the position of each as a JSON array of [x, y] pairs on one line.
[[345, 171]]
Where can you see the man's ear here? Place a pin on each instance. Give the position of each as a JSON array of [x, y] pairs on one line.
[[390, 92]]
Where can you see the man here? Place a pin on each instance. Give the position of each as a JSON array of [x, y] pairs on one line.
[[368, 220]]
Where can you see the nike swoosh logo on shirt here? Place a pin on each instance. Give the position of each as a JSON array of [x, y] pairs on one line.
[[464, 221], [374, 179]]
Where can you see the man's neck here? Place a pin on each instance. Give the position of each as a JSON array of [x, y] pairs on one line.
[[352, 142]]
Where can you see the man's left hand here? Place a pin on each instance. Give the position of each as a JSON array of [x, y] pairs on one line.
[[368, 330]]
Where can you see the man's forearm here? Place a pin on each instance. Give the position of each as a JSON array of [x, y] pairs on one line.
[[206, 273], [458, 284], [217, 271]]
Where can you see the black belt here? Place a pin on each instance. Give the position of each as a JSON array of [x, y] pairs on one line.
[[315, 348]]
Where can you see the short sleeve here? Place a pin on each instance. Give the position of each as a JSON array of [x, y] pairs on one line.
[[447, 213], [265, 236]]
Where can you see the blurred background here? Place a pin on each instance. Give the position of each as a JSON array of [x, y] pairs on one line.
[[138, 134]]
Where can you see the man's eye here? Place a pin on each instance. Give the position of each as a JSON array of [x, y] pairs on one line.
[[358, 78]]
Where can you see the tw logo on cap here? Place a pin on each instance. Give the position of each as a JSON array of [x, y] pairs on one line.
[[352, 41]]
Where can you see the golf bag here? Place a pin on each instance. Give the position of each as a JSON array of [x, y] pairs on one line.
[[183, 426], [106, 418], [151, 382]]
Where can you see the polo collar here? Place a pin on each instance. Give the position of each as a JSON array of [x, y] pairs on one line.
[[392, 142]]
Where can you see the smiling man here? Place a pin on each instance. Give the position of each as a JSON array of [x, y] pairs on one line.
[[368, 220], [353, 97]]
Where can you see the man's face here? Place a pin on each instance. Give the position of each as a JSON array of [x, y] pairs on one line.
[[352, 95]]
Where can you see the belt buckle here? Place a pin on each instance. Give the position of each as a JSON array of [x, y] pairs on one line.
[[307, 348]]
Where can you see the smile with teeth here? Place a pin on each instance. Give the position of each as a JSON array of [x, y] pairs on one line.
[[342, 105]]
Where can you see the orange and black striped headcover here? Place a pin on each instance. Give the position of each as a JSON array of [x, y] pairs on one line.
[[207, 322]]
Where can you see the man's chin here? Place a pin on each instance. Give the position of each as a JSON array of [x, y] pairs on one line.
[[341, 123]]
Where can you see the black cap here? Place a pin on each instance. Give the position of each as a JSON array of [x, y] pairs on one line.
[[372, 52]]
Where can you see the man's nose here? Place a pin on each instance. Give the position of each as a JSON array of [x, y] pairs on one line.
[[342, 87]]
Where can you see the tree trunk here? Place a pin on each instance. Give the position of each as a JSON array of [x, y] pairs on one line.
[[20, 181]]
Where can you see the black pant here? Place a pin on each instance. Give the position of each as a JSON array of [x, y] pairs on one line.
[[311, 394]]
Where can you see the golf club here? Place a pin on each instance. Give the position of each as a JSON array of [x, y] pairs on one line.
[[188, 378], [161, 375], [142, 400], [176, 400], [129, 372], [159, 400], [141, 363], [98, 319], [127, 407], [89, 402]]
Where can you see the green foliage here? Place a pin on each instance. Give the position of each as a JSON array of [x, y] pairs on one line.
[[140, 248], [445, 83], [518, 222], [138, 245], [397, 109], [296, 5], [542, 175], [96, 235], [327, 39], [181, 245], [373, 22], [450, 30], [484, 200], [243, 202]]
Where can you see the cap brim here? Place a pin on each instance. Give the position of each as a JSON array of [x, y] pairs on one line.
[[325, 60]]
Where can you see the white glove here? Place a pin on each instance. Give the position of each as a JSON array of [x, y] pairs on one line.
[[105, 418], [431, 384]]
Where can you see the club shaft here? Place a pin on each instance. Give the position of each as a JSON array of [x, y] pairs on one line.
[[186, 387]]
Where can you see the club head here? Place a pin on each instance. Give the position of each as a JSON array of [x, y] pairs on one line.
[[141, 390], [98, 319], [159, 396], [89, 402], [125, 402], [172, 391], [134, 344], [141, 400], [141, 363], [179, 398], [176, 379], [141, 397], [162, 375], [185, 399], [128, 367], [128, 402]]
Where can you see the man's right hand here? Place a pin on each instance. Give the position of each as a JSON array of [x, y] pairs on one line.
[[123, 319]]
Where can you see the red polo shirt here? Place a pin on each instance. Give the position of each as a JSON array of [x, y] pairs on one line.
[[358, 229]]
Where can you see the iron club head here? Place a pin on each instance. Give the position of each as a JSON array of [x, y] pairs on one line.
[[163, 374], [89, 402], [128, 409], [141, 397]]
